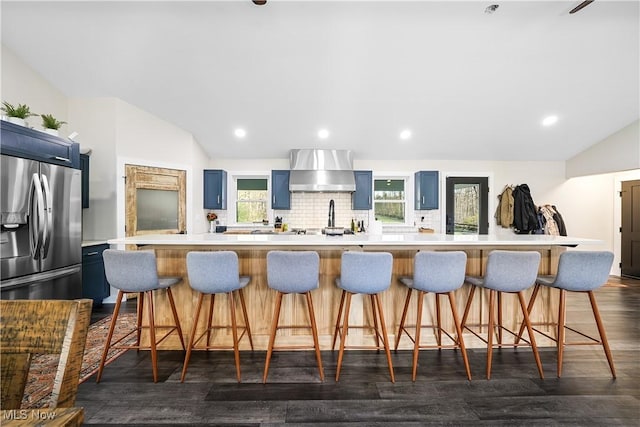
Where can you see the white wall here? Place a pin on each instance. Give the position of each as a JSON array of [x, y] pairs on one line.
[[94, 120], [21, 85], [618, 152]]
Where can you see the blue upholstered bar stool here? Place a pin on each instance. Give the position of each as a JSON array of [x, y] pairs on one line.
[[366, 273], [137, 272], [578, 271], [439, 273], [212, 273], [293, 272], [506, 272]]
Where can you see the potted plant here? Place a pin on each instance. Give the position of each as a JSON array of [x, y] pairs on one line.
[[51, 124], [17, 114]]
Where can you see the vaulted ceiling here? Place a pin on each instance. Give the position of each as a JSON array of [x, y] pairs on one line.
[[467, 84]]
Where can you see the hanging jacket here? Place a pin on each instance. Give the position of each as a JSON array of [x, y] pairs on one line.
[[504, 211], [551, 227], [559, 221], [525, 213]]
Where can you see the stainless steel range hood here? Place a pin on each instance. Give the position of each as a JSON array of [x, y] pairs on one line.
[[321, 170]]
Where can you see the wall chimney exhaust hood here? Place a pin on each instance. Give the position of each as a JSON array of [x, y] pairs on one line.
[[321, 170]]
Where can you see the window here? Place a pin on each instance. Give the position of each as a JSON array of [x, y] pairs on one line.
[[389, 200], [467, 200], [251, 200]]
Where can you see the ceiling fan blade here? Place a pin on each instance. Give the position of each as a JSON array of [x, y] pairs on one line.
[[581, 5]]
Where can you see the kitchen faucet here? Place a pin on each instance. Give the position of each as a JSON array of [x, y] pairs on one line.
[[332, 213]]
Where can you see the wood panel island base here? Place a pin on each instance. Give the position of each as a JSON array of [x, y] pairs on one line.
[[171, 253]]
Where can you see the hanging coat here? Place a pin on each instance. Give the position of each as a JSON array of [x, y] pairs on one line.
[[525, 213]]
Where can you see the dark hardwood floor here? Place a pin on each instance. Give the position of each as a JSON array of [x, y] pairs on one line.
[[586, 395]]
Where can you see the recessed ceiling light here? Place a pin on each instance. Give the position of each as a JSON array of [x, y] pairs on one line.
[[323, 134], [240, 133], [549, 120], [405, 134]]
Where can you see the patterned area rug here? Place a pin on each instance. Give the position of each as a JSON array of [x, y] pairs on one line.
[[43, 367]]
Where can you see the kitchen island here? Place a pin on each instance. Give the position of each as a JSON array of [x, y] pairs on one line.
[[171, 252]]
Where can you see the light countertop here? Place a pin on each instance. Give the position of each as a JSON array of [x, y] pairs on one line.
[[362, 239]]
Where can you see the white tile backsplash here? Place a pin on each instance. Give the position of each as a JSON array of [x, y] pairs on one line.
[[311, 210]]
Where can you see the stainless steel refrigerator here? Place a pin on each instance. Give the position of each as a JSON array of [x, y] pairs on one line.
[[41, 223]]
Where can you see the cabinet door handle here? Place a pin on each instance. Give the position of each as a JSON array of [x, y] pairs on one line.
[[218, 199], [61, 159], [91, 253], [369, 199], [274, 199], [423, 200]]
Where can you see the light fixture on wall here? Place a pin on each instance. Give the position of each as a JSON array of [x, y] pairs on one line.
[[492, 8]]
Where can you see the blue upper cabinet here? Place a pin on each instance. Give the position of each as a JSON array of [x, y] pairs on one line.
[[21, 141], [280, 194], [361, 198], [426, 190], [215, 189]]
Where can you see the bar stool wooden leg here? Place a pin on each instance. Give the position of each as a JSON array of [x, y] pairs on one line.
[[140, 313], [467, 306], [272, 335], [456, 320], [439, 321], [404, 316], [175, 317], [416, 341], [152, 337], [112, 326], [603, 335], [192, 337], [532, 301], [336, 330], [534, 347], [561, 330], [385, 338], [375, 320], [500, 318], [490, 332], [345, 326], [212, 302], [246, 317], [314, 331], [234, 332]]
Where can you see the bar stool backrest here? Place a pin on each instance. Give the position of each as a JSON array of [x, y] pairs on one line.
[[365, 272], [293, 271], [131, 271], [583, 270], [213, 272], [439, 272], [511, 271]]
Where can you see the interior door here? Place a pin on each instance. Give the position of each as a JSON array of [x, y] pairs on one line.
[[155, 200], [467, 210], [630, 230]]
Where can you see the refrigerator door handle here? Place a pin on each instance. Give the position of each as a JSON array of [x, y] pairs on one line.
[[39, 277], [48, 215], [35, 231]]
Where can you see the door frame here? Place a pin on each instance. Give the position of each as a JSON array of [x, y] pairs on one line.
[[492, 203], [617, 217]]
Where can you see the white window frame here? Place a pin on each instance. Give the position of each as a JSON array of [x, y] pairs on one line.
[[408, 196], [232, 192]]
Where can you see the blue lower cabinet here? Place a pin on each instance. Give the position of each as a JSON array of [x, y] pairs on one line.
[[94, 281]]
